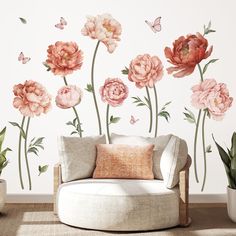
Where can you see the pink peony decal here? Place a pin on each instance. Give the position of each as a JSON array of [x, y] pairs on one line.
[[145, 70], [31, 98], [103, 28], [68, 96], [114, 92], [212, 96], [187, 52], [64, 58]]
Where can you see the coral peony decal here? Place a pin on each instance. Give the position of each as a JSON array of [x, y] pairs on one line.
[[104, 28], [145, 71], [208, 96], [114, 92], [63, 59], [32, 99]]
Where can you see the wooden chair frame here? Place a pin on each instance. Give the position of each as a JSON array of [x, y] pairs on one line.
[[184, 219]]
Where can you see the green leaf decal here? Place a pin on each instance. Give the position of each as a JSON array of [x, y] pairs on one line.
[[207, 29], [114, 120], [208, 149], [42, 169], [35, 144], [163, 113], [139, 102], [22, 132], [47, 66], [125, 71], [23, 21], [207, 64], [2, 137], [189, 116], [89, 88], [75, 124]]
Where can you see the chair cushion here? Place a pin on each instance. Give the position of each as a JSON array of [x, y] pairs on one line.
[[174, 158], [122, 161], [118, 204], [160, 143], [78, 156]]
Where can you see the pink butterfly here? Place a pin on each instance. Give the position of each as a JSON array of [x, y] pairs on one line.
[[23, 59], [156, 25], [133, 120], [61, 24]]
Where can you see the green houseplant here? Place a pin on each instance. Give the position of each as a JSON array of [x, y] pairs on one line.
[[3, 164], [229, 160]]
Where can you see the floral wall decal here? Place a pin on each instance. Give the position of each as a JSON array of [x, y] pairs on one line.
[[209, 96], [32, 99], [145, 70], [104, 28], [114, 92], [63, 59]]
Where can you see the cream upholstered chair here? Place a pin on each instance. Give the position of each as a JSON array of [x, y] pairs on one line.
[[121, 204]]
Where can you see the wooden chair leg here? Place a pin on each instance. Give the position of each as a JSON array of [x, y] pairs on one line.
[[56, 184]]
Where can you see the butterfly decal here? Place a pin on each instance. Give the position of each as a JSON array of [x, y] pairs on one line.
[[133, 120], [156, 25], [62, 24], [23, 59]]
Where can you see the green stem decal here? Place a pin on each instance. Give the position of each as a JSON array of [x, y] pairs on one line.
[[195, 146], [200, 71], [19, 154], [107, 124], [26, 156], [204, 149], [93, 88], [156, 104], [150, 109], [76, 113]]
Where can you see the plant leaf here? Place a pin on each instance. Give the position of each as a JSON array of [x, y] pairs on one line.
[[33, 150], [164, 114], [73, 132], [208, 149], [89, 88], [208, 63], [69, 123], [47, 66], [208, 29], [125, 71], [42, 169], [39, 141], [2, 137], [23, 21], [233, 145], [189, 116], [22, 132], [114, 120]]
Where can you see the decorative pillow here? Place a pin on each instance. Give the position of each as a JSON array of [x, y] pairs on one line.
[[78, 156], [160, 143], [173, 159], [124, 161]]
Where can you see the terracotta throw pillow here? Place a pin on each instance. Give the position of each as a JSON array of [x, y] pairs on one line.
[[122, 161]]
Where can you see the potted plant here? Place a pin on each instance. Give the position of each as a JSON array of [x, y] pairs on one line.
[[3, 164], [229, 160]]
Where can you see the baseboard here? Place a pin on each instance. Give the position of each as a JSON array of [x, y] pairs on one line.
[[48, 198]]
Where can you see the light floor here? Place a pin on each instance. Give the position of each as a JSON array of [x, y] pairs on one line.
[[38, 219]]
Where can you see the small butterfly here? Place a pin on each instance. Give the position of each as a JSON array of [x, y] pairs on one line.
[[61, 24], [133, 120], [23, 59], [156, 25]]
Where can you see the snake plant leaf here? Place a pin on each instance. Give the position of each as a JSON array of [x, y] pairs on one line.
[[233, 145]]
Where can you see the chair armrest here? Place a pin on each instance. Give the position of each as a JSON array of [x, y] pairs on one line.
[[184, 218], [57, 182]]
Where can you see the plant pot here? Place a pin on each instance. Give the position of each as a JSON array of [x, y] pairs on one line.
[[3, 191], [231, 203]]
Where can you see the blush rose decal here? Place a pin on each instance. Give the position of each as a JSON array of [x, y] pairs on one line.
[[209, 97], [114, 92], [145, 70], [31, 99], [63, 59], [105, 29]]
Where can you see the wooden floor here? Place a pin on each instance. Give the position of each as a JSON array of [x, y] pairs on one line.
[[38, 219]]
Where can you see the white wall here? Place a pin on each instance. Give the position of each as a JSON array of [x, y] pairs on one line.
[[179, 17]]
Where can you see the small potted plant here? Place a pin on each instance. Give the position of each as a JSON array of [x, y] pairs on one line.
[[3, 164], [229, 160]]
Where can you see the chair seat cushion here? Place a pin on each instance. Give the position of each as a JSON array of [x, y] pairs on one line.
[[118, 204]]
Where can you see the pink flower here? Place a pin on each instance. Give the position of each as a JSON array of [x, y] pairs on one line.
[[64, 58], [103, 28], [187, 52], [114, 92], [212, 96], [68, 96], [31, 98], [145, 70]]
